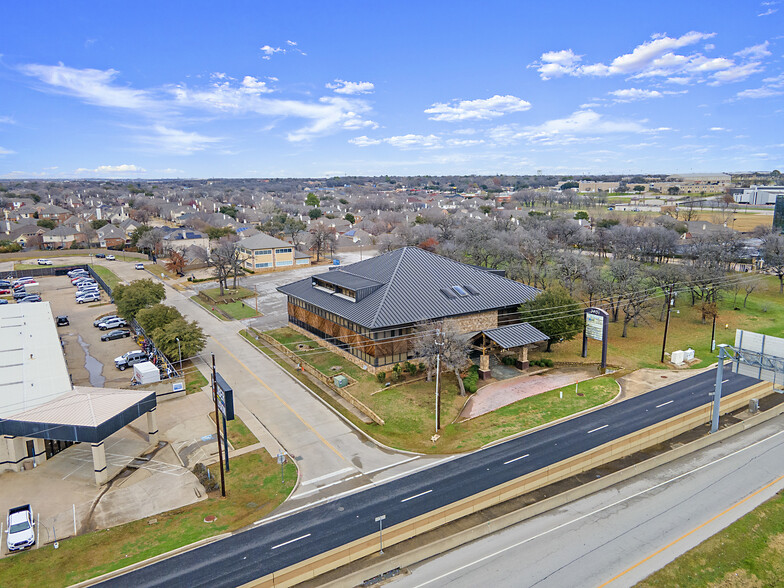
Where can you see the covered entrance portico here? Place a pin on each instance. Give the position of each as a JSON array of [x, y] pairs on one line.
[[84, 415], [516, 338]]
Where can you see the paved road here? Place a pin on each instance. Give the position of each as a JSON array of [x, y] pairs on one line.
[[332, 456], [604, 539], [280, 542]]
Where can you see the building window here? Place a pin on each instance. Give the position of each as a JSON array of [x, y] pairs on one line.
[[284, 250], [263, 251], [303, 261], [282, 263], [264, 264]]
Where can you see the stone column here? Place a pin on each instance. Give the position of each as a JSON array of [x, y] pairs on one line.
[[484, 367], [152, 427], [40, 451], [17, 452], [99, 464], [522, 358]]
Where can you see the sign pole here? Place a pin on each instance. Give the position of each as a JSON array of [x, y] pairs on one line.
[[226, 443], [717, 390], [380, 521], [666, 323], [217, 425]]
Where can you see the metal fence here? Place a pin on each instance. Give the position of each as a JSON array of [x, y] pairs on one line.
[[45, 271], [156, 356], [101, 282]]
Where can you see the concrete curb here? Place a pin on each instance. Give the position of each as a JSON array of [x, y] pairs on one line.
[[152, 560], [489, 527]]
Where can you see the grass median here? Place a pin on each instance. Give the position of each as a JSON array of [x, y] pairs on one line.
[[253, 488], [106, 275]]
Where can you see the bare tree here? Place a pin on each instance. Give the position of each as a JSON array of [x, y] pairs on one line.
[[151, 241], [454, 349], [749, 286], [773, 254], [322, 240], [225, 259]]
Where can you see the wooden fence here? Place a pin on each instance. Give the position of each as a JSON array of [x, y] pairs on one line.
[[312, 371]]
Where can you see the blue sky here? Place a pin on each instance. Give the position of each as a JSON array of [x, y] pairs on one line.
[[264, 89]]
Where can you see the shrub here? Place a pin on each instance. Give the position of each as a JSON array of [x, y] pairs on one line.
[[411, 368], [508, 360], [381, 377], [534, 362], [394, 376], [209, 482], [471, 380], [422, 367], [547, 362]]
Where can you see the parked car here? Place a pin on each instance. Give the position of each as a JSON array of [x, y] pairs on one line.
[[78, 274], [110, 257], [90, 297], [99, 320], [76, 270], [3, 301], [139, 266], [116, 334], [87, 293], [5, 290], [62, 321], [19, 527], [129, 359], [19, 294], [100, 255], [30, 298], [112, 323], [5, 284], [79, 279], [44, 262], [26, 285], [23, 281]]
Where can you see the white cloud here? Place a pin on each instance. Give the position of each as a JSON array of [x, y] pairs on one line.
[[4, 151], [717, 129], [768, 12], [633, 94], [92, 85], [580, 126], [269, 51], [479, 109], [409, 141], [464, 142], [7, 120], [176, 141], [344, 87], [773, 86], [126, 168], [659, 57], [755, 51], [254, 86]]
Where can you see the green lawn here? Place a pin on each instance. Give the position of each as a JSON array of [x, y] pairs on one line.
[[106, 275], [239, 434], [748, 553], [215, 294], [237, 310], [194, 379], [409, 413], [764, 313], [253, 489]]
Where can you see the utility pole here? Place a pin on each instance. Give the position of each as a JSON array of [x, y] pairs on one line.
[[256, 290], [439, 344], [667, 322], [713, 331], [717, 389], [217, 425]]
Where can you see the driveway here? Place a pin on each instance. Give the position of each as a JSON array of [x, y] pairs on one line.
[[331, 454]]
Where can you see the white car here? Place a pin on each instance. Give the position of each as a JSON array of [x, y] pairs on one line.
[[112, 323], [110, 257], [90, 297], [20, 528], [44, 262]]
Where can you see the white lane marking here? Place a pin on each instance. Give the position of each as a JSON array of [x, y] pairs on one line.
[[320, 488], [515, 459], [290, 541], [351, 491], [597, 429], [416, 495], [725, 381], [387, 467], [327, 476], [597, 511], [664, 403]]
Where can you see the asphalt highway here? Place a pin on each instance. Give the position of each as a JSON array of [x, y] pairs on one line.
[[281, 542]]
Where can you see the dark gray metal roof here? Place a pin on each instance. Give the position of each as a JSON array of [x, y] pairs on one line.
[[516, 335], [413, 280], [347, 280]]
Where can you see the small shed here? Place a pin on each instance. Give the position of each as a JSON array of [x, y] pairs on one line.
[[146, 372]]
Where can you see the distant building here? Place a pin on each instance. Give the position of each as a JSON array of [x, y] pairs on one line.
[[264, 252], [759, 195]]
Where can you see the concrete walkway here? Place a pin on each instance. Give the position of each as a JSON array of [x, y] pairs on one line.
[[498, 394]]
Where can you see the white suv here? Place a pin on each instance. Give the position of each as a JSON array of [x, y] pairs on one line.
[[112, 323]]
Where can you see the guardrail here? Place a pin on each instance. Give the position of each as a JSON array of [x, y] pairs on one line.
[[312, 371], [637, 441]]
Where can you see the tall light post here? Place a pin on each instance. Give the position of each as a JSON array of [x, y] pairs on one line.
[[179, 352], [439, 344]]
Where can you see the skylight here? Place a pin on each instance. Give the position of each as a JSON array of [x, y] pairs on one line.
[[460, 291]]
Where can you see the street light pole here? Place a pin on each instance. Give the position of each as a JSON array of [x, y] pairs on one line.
[[439, 343], [179, 352], [667, 323]]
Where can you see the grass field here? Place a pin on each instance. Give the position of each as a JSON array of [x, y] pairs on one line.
[[747, 554], [253, 489], [194, 379], [409, 413], [106, 275], [237, 310], [764, 313], [239, 434], [744, 221], [215, 294]]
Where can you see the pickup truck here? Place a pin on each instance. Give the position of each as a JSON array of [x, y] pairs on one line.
[[21, 528]]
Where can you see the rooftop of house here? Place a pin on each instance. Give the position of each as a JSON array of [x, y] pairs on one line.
[[262, 241], [407, 286]]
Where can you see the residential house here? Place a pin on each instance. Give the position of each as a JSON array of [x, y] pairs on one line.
[[61, 237], [370, 310], [263, 251], [181, 239], [111, 236], [52, 212]]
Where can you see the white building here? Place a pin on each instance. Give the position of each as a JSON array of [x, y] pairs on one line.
[[759, 195]]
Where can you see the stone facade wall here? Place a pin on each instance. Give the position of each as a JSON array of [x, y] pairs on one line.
[[480, 321]]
